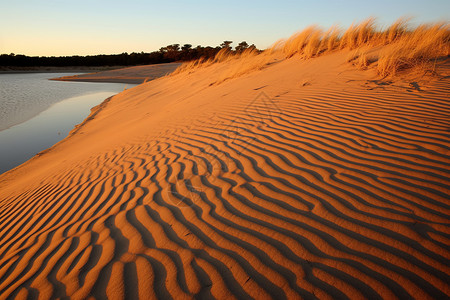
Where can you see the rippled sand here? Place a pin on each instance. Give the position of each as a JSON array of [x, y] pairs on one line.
[[304, 179]]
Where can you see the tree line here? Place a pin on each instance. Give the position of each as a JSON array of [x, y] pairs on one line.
[[170, 53]]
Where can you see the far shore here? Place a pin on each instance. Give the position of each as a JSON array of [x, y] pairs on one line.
[[112, 74], [43, 69]]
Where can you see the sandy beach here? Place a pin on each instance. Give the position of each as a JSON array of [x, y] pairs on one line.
[[137, 74], [298, 179]]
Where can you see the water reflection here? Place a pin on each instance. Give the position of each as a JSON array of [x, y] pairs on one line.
[[25, 95], [21, 142]]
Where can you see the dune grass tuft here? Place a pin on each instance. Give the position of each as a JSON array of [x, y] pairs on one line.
[[415, 49], [405, 47], [402, 48]]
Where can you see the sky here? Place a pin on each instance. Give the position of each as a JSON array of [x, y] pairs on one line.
[[81, 27]]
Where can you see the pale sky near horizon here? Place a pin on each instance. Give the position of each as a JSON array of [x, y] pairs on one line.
[[67, 27]]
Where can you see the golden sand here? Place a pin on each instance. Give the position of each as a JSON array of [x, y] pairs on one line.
[[302, 179]]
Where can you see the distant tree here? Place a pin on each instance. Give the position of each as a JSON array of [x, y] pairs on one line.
[[226, 44], [172, 52], [166, 54], [187, 52], [154, 58], [253, 47], [186, 47], [173, 47], [242, 46]]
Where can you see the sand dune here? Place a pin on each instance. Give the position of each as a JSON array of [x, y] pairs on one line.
[[138, 74], [303, 179]]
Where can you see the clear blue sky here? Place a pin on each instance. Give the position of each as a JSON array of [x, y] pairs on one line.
[[63, 27]]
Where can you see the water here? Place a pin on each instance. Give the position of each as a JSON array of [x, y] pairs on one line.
[[44, 112]]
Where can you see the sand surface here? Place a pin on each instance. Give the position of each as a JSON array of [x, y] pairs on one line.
[[304, 179], [138, 74]]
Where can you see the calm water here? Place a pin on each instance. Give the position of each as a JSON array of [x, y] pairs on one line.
[[44, 112]]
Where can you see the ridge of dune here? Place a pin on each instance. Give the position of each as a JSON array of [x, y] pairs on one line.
[[306, 179]]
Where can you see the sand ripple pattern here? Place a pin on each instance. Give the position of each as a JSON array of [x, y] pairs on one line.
[[305, 193]]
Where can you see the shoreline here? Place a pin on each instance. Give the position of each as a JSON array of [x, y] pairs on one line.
[[101, 80], [64, 130], [106, 74], [29, 132], [130, 75], [42, 69]]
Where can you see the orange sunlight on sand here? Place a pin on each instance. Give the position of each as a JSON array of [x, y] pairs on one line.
[[268, 175]]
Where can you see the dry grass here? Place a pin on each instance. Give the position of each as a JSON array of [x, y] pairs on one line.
[[330, 40], [395, 31], [359, 59], [407, 48], [362, 62], [415, 49], [358, 35], [236, 64], [402, 48], [224, 55], [248, 61], [307, 39], [191, 66]]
